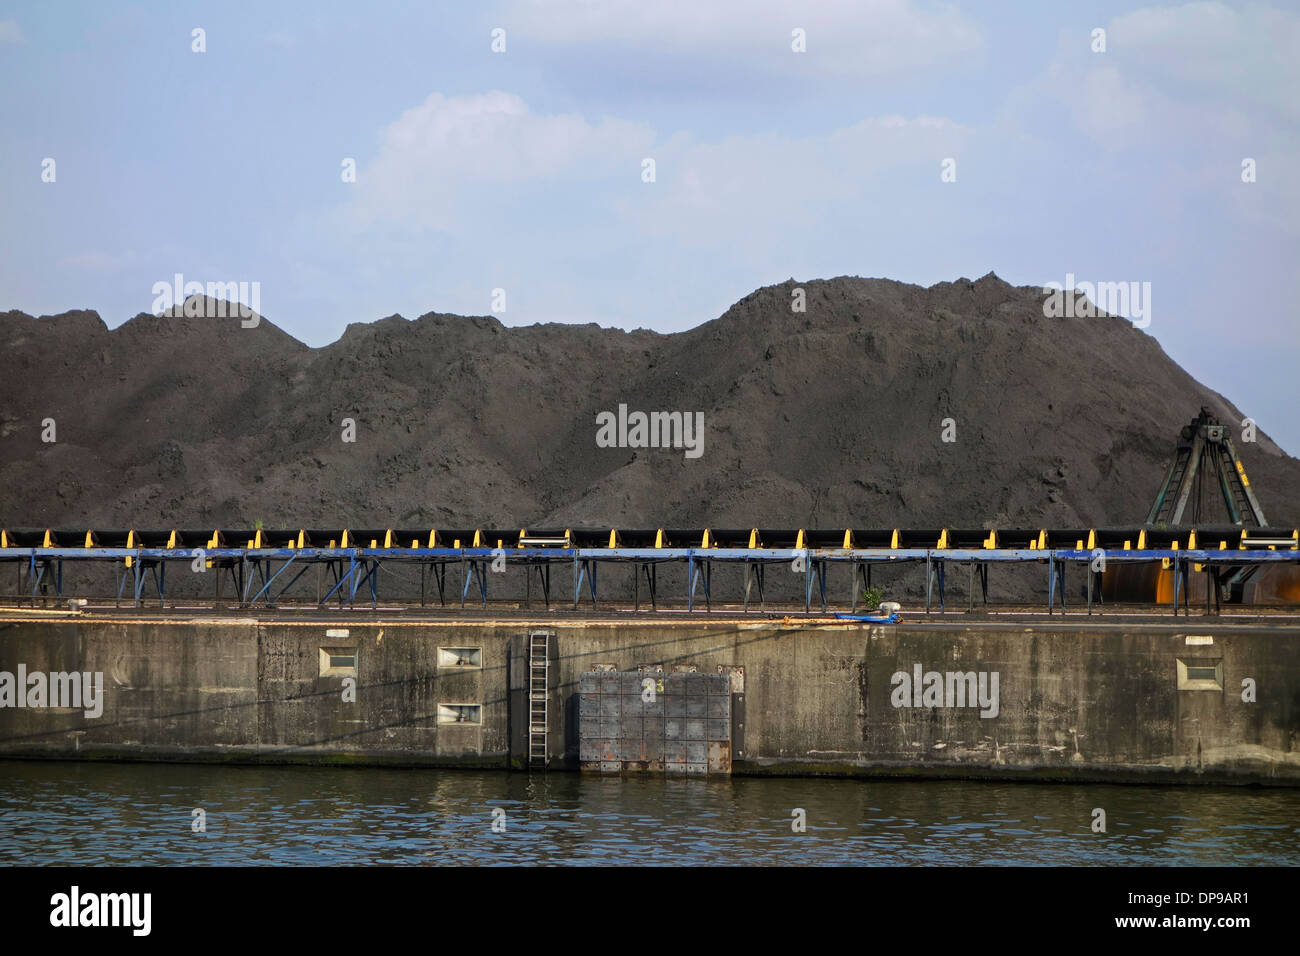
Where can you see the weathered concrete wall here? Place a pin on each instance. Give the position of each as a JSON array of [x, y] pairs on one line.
[[1073, 701], [243, 690]]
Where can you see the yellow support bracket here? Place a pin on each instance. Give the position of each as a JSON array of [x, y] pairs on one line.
[[754, 543], [49, 539], [659, 538], [848, 539], [613, 538], [798, 541], [893, 540], [991, 542], [942, 545]]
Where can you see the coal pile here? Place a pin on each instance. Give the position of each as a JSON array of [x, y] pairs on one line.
[[832, 417]]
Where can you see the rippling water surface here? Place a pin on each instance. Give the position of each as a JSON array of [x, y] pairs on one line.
[[89, 814]]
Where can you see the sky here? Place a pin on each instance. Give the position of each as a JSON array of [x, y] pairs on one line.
[[917, 141]]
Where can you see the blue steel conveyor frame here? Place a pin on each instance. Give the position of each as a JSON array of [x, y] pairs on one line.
[[353, 567]]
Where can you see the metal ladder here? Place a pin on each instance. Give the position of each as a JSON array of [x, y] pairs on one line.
[[1162, 514], [539, 673], [1243, 506]]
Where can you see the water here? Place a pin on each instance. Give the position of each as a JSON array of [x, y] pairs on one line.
[[91, 814]]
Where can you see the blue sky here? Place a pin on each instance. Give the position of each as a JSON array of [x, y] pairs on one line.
[[522, 170]]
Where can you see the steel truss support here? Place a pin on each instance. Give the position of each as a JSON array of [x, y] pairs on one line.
[[934, 571], [651, 571], [861, 583], [236, 580], [584, 568], [701, 573], [477, 571], [1182, 584], [982, 569], [813, 569], [433, 571], [260, 568], [37, 570], [1055, 582], [543, 569], [266, 587], [343, 578], [754, 576], [158, 569]]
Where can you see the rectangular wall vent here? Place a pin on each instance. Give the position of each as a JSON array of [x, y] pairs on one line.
[[338, 661], [460, 658], [1200, 674], [460, 714]]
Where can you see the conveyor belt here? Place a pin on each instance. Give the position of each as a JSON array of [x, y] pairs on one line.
[[263, 564]]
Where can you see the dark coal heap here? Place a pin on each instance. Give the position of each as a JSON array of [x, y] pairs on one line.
[[832, 417]]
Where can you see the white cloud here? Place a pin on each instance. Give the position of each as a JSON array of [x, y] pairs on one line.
[[844, 37], [1106, 106], [10, 32], [1245, 57], [452, 163], [1187, 90], [468, 193], [751, 187], [1176, 75], [432, 154]]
